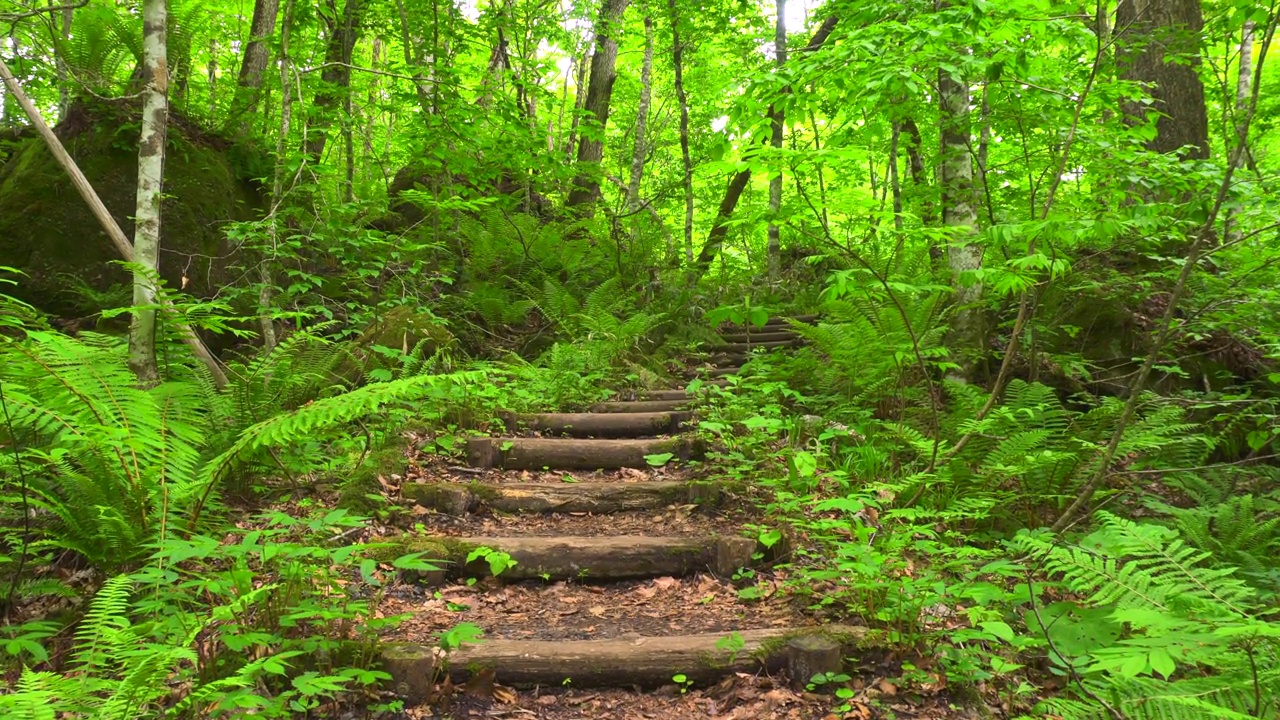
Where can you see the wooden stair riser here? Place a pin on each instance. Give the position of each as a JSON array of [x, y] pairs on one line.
[[589, 497], [573, 454], [624, 662], [585, 558], [722, 372], [665, 395], [759, 337], [599, 425], [639, 406], [774, 324], [747, 347]]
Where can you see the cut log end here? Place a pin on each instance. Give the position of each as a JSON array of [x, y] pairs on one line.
[[732, 554], [413, 672], [810, 655]]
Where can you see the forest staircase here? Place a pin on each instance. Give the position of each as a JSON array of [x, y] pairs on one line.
[[613, 436]]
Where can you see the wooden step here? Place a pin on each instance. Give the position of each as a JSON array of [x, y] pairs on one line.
[[758, 337], [590, 558], [721, 372], [586, 497], [513, 453], [623, 662], [650, 395], [778, 322], [749, 346], [639, 406], [599, 425], [727, 359]]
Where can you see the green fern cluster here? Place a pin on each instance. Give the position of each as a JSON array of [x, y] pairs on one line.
[[1180, 635]]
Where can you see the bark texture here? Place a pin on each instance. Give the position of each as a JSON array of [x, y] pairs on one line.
[[146, 234], [343, 32], [778, 122], [642, 121], [677, 61], [586, 187], [257, 54], [1158, 44]]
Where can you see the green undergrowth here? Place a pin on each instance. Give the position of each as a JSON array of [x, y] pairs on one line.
[[910, 515]]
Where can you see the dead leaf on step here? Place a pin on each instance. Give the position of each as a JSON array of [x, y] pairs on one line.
[[598, 610], [666, 583], [504, 695], [419, 510], [887, 687], [546, 700], [646, 592]]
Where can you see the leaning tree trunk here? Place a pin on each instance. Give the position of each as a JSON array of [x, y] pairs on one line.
[[1158, 45], [720, 230], [256, 56], [642, 121], [599, 94], [677, 59], [336, 76], [778, 126], [146, 234]]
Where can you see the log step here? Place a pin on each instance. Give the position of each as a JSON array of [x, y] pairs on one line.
[[571, 453], [650, 395], [639, 406], [599, 425], [777, 322], [758, 337], [592, 558], [721, 372], [587, 497], [644, 661], [749, 346]]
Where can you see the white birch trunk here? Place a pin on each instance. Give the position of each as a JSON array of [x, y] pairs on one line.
[[146, 236], [778, 127]]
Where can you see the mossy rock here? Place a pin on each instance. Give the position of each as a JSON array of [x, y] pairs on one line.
[[48, 232], [405, 328]]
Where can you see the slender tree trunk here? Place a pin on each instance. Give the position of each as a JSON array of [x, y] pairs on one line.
[[1158, 45], [715, 239], [336, 76], [64, 84], [146, 236], [959, 213], [642, 121], [1244, 87], [778, 125], [586, 187], [579, 102], [677, 60], [257, 54], [100, 212], [413, 59], [266, 293]]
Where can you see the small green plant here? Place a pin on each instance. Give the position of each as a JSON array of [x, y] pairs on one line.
[[682, 681], [499, 561], [659, 459]]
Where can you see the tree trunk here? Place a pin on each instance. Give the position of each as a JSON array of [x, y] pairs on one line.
[[715, 239], [257, 54], [677, 59], [336, 76], [146, 236], [579, 101], [64, 86], [599, 94], [413, 58], [642, 121], [959, 213], [266, 293], [1244, 87], [1158, 45], [778, 126]]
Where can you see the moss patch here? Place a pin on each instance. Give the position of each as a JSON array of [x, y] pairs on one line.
[[48, 232]]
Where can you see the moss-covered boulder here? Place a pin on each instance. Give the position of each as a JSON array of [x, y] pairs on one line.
[[48, 232]]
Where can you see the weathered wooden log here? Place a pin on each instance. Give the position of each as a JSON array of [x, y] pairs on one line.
[[639, 406], [776, 322], [809, 655], [721, 372], [727, 359], [413, 671], [600, 425], [643, 661], [586, 497], [565, 557], [749, 346], [650, 395], [572, 453], [758, 336]]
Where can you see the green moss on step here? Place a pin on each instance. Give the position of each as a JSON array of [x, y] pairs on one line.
[[359, 491]]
